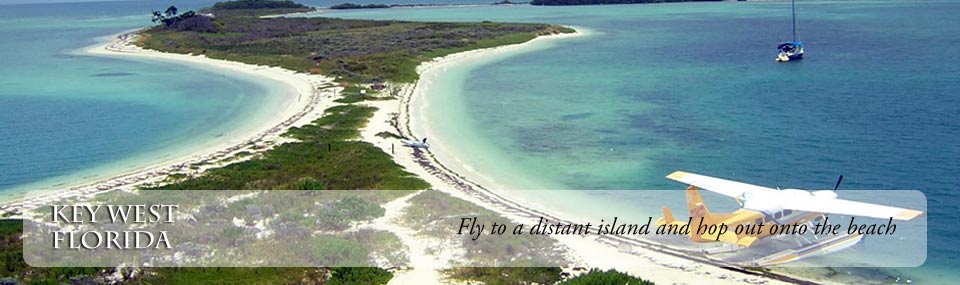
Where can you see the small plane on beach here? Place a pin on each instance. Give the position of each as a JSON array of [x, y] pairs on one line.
[[774, 207], [415, 144]]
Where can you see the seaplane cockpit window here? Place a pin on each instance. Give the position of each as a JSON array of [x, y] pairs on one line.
[[787, 212], [818, 218], [778, 215]]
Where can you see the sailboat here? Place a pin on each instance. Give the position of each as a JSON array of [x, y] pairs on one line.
[[792, 50]]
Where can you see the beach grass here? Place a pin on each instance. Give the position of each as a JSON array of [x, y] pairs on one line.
[[326, 156], [352, 94], [444, 212]]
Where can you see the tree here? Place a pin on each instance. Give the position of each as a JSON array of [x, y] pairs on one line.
[[171, 11], [157, 16]]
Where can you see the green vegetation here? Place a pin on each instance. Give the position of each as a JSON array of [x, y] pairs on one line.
[[353, 50], [258, 4], [189, 21], [339, 215], [358, 6], [326, 157], [357, 97], [444, 212], [13, 266], [507, 275], [359, 276], [540, 275], [189, 275], [605, 2], [605, 277], [334, 250], [353, 94], [344, 276], [254, 8], [11, 258]]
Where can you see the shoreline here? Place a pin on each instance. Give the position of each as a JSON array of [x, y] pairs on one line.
[[446, 174], [416, 118], [640, 258], [304, 100]]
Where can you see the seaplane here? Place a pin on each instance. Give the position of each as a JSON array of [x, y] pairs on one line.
[[415, 143], [773, 207]]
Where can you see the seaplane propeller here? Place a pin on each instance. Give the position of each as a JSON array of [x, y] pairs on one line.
[[837, 186]]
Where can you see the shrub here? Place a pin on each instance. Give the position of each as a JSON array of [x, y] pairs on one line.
[[605, 277]]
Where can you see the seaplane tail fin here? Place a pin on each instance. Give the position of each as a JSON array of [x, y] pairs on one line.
[[695, 204], [667, 216], [698, 210], [671, 224]]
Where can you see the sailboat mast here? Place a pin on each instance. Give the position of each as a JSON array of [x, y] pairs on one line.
[[793, 8]]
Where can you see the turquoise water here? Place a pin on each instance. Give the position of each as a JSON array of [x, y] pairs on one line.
[[67, 117], [693, 86], [653, 89]]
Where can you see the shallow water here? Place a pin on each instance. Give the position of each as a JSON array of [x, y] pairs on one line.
[[67, 117], [654, 89], [693, 86]]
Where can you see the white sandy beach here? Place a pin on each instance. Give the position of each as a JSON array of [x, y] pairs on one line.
[[446, 173], [441, 170]]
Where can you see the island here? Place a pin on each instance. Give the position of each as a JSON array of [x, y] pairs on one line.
[[346, 6], [606, 2], [363, 58], [350, 84]]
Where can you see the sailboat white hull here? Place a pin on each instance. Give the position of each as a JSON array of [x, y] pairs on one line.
[[789, 56], [791, 51]]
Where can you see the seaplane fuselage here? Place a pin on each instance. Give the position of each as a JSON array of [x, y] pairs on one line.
[[765, 211], [415, 143], [742, 227]]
